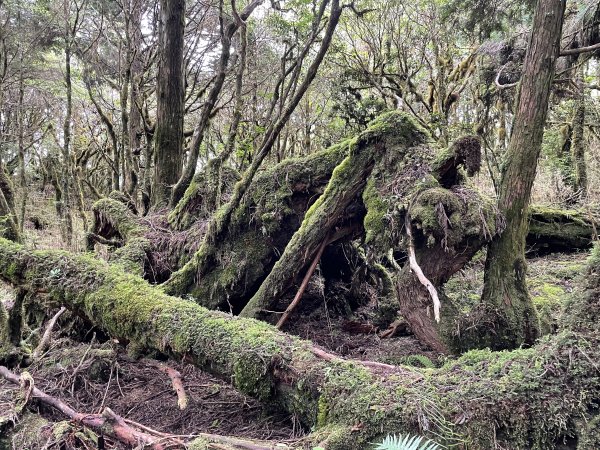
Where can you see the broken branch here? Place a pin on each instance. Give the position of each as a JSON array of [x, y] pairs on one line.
[[45, 342]]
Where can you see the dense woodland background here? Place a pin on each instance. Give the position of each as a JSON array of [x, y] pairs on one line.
[[404, 194]]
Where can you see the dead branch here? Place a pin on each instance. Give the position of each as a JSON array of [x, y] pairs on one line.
[[108, 422], [414, 266], [577, 51], [305, 281], [45, 342], [176, 380]]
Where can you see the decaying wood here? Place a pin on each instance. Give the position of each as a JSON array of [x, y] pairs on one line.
[[45, 341], [107, 423], [333, 394], [414, 266], [395, 135], [177, 381]]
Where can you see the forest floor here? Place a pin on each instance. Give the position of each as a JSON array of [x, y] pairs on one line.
[[90, 373]]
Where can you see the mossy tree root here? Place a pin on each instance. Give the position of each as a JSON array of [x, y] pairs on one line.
[[532, 398]]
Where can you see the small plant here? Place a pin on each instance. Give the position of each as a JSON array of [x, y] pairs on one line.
[[407, 442]]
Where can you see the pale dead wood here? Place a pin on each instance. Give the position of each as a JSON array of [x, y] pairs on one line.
[[176, 381], [414, 266], [45, 342]]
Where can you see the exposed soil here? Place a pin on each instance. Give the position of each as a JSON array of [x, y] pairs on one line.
[[138, 391]]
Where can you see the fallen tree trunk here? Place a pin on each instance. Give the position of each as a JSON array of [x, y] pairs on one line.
[[533, 398], [393, 152], [555, 230], [392, 136], [383, 175]]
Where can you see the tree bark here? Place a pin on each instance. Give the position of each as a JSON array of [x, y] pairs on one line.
[[505, 291], [578, 146], [200, 130], [9, 227], [391, 133], [170, 94]]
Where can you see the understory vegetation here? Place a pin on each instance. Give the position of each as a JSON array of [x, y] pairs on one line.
[[299, 224]]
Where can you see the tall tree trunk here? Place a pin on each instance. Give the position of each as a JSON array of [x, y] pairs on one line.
[[21, 146], [170, 90], [135, 117], [63, 205], [227, 33], [505, 292], [578, 145], [221, 220]]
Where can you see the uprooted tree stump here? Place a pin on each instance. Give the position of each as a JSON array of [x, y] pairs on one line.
[[375, 186], [531, 398]]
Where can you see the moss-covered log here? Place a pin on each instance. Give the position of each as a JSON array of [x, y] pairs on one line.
[[263, 225], [392, 136], [115, 225], [539, 398], [555, 230]]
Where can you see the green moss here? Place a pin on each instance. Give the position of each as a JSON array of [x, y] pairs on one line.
[[117, 215], [28, 433], [199, 444], [589, 435], [322, 412], [524, 399], [417, 361], [391, 137], [560, 227], [548, 301], [375, 222], [199, 200], [61, 429], [5, 344], [450, 216]]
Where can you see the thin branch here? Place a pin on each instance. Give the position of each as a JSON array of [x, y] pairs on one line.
[[578, 51], [283, 319]]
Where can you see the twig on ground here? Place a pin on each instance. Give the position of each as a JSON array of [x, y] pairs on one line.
[[108, 422], [176, 380]]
